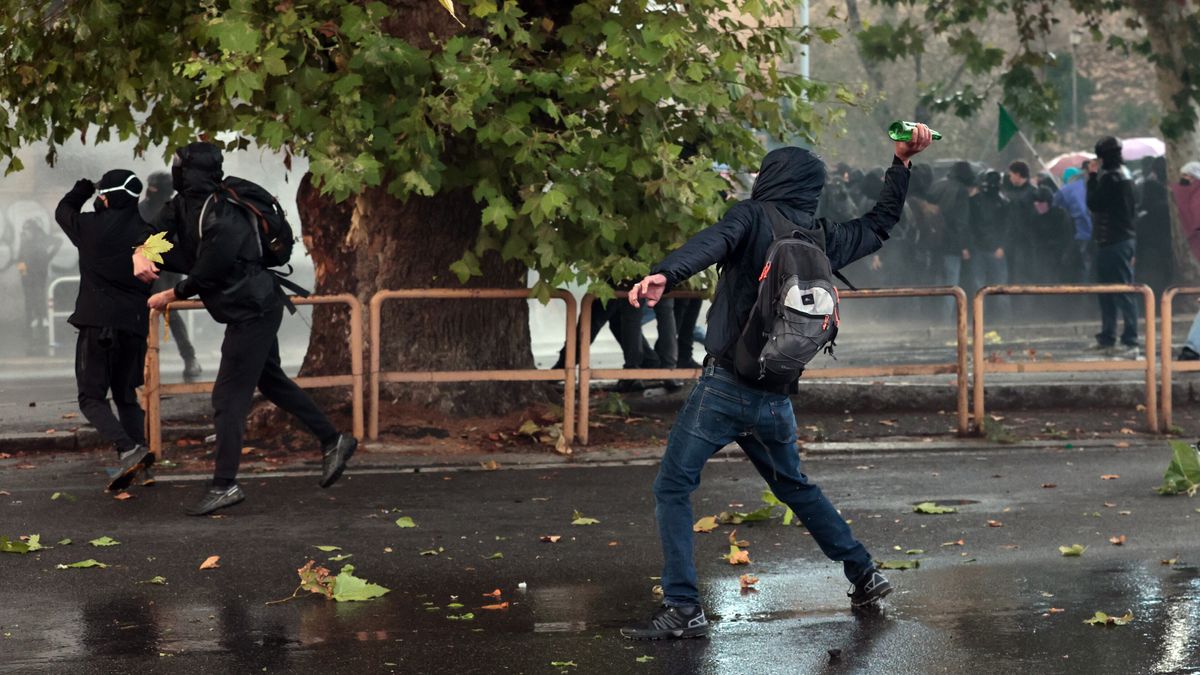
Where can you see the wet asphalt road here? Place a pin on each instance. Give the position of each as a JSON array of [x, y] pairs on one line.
[[982, 607]]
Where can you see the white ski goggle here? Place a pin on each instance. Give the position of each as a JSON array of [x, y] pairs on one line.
[[123, 186]]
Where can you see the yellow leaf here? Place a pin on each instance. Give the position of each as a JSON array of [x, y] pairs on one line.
[[747, 580], [450, 8], [211, 563], [155, 246], [705, 524]]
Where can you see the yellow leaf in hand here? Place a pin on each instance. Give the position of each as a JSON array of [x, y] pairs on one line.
[[155, 246]]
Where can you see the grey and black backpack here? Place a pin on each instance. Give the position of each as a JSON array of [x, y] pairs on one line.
[[796, 313]]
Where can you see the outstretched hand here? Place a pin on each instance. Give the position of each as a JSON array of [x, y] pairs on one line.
[[921, 138], [651, 288]]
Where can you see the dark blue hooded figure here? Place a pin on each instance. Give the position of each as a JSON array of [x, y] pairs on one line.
[[791, 179]]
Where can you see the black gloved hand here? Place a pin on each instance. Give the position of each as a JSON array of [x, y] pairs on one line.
[[84, 188]]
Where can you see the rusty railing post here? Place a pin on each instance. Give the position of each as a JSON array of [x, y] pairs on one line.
[[373, 322], [568, 429], [964, 413], [150, 392], [977, 362], [1168, 315], [1151, 385], [585, 366]]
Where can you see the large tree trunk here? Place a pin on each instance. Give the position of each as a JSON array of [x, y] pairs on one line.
[[1169, 35], [377, 242]]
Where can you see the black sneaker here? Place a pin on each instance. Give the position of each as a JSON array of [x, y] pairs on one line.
[[334, 458], [148, 477], [191, 370], [1187, 354], [669, 622], [217, 498], [131, 462], [869, 590]]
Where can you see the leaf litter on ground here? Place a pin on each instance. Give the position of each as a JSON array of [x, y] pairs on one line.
[[1102, 619], [898, 564], [577, 518], [933, 508], [705, 524], [344, 587], [405, 522], [1183, 472], [90, 562], [212, 562], [104, 541], [1072, 551]]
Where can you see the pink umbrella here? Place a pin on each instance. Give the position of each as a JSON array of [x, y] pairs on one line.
[[1137, 148], [1065, 161]]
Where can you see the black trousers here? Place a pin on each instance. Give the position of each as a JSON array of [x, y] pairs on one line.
[[626, 324], [249, 359], [110, 360], [1114, 265], [687, 313]]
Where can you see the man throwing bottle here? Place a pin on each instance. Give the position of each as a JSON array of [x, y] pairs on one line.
[[727, 407]]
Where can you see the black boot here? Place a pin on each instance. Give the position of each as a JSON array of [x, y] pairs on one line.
[[191, 370], [334, 457]]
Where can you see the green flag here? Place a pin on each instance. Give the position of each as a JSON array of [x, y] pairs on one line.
[[1008, 129]]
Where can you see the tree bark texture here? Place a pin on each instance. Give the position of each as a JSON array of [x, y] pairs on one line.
[[1168, 31]]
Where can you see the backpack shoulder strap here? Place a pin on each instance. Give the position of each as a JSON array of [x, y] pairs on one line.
[[783, 228]]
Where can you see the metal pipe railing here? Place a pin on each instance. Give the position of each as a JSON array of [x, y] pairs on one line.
[[154, 389], [958, 367], [566, 374], [1169, 365], [1147, 364]]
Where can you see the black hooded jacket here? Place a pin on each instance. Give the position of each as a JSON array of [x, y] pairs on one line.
[[790, 179], [109, 295], [221, 256]]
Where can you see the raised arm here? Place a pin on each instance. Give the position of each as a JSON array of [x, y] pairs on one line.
[[67, 212], [702, 251]]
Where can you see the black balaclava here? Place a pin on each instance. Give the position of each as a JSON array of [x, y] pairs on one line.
[[118, 189], [196, 174], [792, 176], [990, 181], [1108, 149]]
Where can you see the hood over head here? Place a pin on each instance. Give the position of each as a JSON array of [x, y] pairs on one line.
[[196, 169], [1191, 169], [1043, 194], [963, 173], [990, 181], [118, 189], [1070, 174], [792, 176], [1108, 149]]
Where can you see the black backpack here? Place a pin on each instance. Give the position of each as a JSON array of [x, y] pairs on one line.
[[276, 238], [796, 313]]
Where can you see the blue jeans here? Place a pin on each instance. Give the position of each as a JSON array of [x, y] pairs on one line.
[[720, 411], [1193, 336]]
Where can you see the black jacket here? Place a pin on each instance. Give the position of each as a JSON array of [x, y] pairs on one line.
[[953, 200], [221, 256], [791, 179], [1110, 199], [109, 295], [991, 219]]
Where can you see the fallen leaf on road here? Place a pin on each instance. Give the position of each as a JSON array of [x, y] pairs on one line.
[[747, 580], [1117, 541], [705, 524], [341, 557], [960, 542], [495, 556], [614, 543], [1056, 610], [1110, 476], [26, 465], [433, 551], [1072, 551], [70, 416], [9, 546], [104, 541], [914, 551], [5, 493], [579, 519], [1109, 505], [34, 541], [494, 594], [328, 549], [157, 581], [932, 508], [1049, 485], [490, 465], [122, 496], [499, 606], [64, 542], [898, 564], [738, 556], [888, 423], [564, 664], [551, 538], [82, 564], [734, 541], [469, 616], [1126, 431], [1124, 513], [66, 496], [644, 659], [349, 588], [212, 562], [1102, 619], [405, 522], [1169, 561], [995, 523]]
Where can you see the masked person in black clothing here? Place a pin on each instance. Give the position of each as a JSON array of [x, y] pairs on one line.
[[217, 245], [110, 313], [724, 408], [991, 221], [158, 195], [1111, 201]]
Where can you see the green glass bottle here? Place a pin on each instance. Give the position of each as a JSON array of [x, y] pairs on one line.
[[902, 131]]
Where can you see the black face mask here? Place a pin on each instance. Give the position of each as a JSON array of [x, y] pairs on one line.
[[177, 173]]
